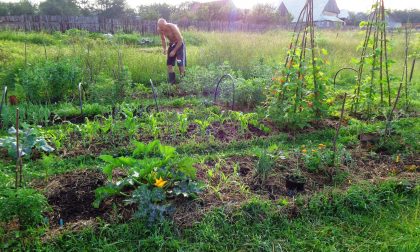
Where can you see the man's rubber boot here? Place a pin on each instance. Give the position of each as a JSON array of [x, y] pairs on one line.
[[172, 78]]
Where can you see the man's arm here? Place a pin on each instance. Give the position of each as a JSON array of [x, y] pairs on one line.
[[162, 37], [178, 38]]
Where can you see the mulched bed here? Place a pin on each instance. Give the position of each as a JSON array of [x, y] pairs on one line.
[[71, 196], [232, 195]]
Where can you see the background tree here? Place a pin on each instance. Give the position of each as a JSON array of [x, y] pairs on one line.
[[355, 18], [264, 14], [4, 10], [155, 11], [406, 16], [111, 8], [59, 8], [23, 7], [87, 7], [218, 10], [183, 12]]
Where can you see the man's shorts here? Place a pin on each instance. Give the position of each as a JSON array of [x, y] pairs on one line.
[[180, 57]]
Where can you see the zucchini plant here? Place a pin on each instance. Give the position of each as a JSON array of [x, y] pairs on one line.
[[155, 174]]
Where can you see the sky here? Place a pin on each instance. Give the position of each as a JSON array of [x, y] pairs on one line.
[[352, 5]]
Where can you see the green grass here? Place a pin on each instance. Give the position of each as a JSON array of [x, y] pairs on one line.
[[241, 50], [388, 221]]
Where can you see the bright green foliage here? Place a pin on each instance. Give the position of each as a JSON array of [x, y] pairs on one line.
[[345, 224], [295, 98], [157, 173], [49, 81], [361, 199], [266, 160], [30, 114], [25, 205]]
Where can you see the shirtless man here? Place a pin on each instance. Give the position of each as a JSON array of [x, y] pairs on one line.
[[176, 52]]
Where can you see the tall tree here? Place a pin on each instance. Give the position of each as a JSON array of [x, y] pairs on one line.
[[23, 7], [355, 18], [4, 10], [264, 14], [59, 8], [86, 7], [155, 11], [406, 16], [111, 8]]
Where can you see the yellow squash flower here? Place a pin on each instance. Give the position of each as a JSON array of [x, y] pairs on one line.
[[322, 146], [304, 151], [160, 182]]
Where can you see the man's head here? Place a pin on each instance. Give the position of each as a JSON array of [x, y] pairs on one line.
[[161, 23]]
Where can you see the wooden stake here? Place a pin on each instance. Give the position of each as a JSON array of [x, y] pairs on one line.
[[391, 113], [17, 183]]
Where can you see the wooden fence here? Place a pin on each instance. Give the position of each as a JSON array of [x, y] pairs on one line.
[[127, 25]]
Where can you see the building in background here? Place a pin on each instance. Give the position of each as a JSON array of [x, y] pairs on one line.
[[392, 22], [326, 12]]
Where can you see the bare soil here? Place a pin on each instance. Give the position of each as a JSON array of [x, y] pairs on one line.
[[71, 196]]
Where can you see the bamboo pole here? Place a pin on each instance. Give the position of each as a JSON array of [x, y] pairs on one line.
[[391, 112], [406, 68]]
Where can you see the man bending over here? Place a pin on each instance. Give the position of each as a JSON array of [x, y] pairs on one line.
[[176, 52]]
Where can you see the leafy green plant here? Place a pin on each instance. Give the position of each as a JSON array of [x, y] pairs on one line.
[[90, 130], [319, 158], [47, 162], [157, 174], [55, 137], [138, 90], [203, 125], [297, 95], [65, 109], [49, 81], [202, 80], [24, 205], [103, 90], [150, 204], [37, 115], [266, 161], [183, 122], [251, 92], [94, 109], [130, 122], [30, 113], [151, 125], [28, 139]]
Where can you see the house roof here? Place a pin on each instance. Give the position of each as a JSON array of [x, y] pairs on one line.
[[330, 18], [294, 7]]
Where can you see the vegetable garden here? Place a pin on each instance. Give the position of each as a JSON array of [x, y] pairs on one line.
[[294, 145]]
